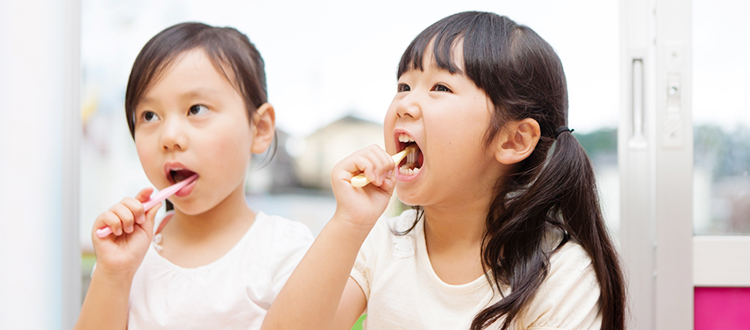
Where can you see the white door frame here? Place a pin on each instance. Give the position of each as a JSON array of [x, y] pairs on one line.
[[721, 261], [656, 162]]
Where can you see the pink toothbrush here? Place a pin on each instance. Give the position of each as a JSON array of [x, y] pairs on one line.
[[155, 199]]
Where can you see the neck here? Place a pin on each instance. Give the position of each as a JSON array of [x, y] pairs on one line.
[[453, 237], [460, 222], [229, 215], [459, 219]]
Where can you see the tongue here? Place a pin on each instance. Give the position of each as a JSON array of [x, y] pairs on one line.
[[181, 175]]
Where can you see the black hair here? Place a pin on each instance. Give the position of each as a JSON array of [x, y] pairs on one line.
[[523, 77], [226, 47]]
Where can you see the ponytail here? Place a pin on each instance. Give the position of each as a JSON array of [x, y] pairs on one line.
[[563, 195], [581, 217]]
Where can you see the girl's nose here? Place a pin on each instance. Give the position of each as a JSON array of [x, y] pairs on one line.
[[409, 107], [173, 136]]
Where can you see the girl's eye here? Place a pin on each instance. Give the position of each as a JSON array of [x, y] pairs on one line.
[[441, 88], [198, 109], [149, 116], [403, 88]]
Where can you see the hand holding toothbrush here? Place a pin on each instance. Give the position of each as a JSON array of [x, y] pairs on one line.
[[122, 234], [132, 227], [153, 201], [363, 184], [361, 180]]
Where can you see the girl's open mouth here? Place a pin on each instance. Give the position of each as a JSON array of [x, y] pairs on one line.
[[176, 172], [177, 175], [412, 163]]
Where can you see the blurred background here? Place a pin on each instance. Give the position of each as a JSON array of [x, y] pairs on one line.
[[331, 69]]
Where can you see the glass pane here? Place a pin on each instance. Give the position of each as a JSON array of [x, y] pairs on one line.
[[721, 185]]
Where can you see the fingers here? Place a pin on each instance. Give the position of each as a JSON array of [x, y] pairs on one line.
[[144, 194], [148, 224], [108, 219], [125, 213], [122, 217], [136, 208], [373, 162], [389, 182], [384, 167]]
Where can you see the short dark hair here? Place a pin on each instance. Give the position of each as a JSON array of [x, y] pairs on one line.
[[225, 46]]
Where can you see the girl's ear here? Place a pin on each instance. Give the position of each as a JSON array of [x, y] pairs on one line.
[[516, 141], [264, 127]]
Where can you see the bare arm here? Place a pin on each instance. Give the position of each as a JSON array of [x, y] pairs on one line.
[[118, 257], [312, 296], [106, 304], [320, 294], [351, 307]]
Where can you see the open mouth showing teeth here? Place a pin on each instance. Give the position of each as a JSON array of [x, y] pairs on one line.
[[177, 175], [412, 163]]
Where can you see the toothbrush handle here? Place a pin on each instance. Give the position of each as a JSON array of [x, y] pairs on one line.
[[361, 180], [156, 199], [103, 232]]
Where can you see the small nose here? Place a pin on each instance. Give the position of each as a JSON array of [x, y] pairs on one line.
[[409, 107], [173, 136]]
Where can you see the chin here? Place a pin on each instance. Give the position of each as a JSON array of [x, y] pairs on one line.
[[190, 209], [408, 199]]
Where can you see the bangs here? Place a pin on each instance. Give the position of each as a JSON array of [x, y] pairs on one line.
[[230, 51], [443, 36], [493, 57], [485, 41]]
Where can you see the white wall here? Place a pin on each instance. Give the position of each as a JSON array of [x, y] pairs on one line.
[[39, 47]]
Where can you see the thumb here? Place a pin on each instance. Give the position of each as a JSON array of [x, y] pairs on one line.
[[389, 183], [148, 225]]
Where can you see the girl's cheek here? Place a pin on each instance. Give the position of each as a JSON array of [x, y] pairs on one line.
[[147, 157], [143, 153], [234, 154]]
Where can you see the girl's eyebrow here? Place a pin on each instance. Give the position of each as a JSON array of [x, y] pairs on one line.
[[191, 94], [199, 92]]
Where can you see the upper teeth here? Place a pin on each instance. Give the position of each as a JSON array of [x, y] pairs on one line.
[[405, 138]]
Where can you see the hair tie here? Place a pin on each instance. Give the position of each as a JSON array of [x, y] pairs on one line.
[[559, 130]]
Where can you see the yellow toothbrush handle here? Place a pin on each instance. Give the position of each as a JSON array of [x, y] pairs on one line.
[[361, 180]]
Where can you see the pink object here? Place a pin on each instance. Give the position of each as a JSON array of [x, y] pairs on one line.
[[722, 308], [155, 199]]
